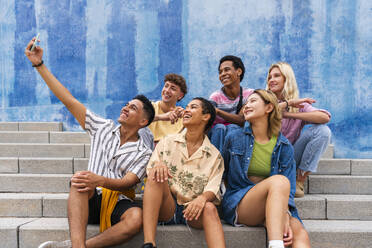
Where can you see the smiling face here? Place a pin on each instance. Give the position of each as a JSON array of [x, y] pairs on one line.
[[256, 108], [171, 93], [193, 114], [132, 114], [275, 81], [228, 75]]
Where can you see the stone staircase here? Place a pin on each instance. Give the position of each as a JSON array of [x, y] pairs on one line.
[[38, 159]]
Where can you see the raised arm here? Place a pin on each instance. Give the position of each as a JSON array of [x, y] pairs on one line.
[[76, 108]]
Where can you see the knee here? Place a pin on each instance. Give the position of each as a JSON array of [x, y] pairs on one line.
[[133, 218], [323, 132], [210, 210], [300, 234], [280, 183], [218, 129]]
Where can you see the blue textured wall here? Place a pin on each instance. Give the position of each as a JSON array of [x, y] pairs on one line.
[[105, 52]]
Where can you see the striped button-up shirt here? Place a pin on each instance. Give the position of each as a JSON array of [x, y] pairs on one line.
[[107, 157]]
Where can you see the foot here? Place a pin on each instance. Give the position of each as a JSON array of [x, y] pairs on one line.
[[299, 189], [56, 244], [148, 245]]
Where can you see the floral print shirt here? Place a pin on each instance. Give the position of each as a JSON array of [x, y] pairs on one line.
[[191, 176]]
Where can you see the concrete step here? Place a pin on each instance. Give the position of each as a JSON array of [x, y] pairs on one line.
[[43, 137], [315, 207], [323, 234], [40, 230], [329, 152], [30, 126], [339, 234], [340, 184], [24, 137], [42, 165], [69, 137], [42, 150], [356, 167], [34, 183]]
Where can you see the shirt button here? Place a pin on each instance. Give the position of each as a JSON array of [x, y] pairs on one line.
[[248, 158]]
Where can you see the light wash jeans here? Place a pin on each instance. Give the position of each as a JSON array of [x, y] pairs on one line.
[[218, 133], [310, 146]]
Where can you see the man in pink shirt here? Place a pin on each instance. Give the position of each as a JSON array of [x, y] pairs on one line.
[[228, 100]]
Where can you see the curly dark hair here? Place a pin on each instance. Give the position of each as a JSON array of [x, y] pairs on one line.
[[177, 80], [147, 108], [207, 108], [237, 63]]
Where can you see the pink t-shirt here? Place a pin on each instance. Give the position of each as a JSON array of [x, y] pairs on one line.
[[291, 128], [223, 102]]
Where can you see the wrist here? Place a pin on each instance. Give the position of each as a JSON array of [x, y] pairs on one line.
[[102, 182], [38, 64]]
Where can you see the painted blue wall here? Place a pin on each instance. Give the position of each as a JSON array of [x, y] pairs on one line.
[[105, 52]]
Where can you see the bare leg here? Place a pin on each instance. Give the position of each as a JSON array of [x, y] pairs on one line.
[[78, 212], [300, 235], [158, 204], [211, 223], [129, 225], [266, 201]]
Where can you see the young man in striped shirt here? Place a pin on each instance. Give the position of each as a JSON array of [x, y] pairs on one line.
[[118, 159]]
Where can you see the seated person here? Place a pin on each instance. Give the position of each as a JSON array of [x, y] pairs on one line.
[[310, 144], [167, 115], [118, 158], [184, 175], [229, 99], [261, 176]]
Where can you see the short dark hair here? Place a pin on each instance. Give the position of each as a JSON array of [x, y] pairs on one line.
[[207, 108], [177, 80], [147, 108], [237, 63]]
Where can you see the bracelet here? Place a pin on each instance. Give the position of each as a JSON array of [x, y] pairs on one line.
[[287, 107], [42, 62]]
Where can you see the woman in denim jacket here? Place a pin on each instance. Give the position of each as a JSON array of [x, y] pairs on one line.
[[261, 174]]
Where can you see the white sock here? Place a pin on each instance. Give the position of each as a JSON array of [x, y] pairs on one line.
[[276, 244]]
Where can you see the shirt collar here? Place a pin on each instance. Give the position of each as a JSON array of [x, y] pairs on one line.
[[140, 144], [248, 130], [205, 147]]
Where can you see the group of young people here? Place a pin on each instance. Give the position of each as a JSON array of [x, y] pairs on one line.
[[244, 149]]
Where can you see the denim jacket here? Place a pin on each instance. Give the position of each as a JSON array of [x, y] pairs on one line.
[[237, 153]]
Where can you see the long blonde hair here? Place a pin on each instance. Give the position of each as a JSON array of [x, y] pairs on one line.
[[290, 90], [275, 116]]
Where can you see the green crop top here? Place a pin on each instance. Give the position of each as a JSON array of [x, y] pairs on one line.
[[261, 158]]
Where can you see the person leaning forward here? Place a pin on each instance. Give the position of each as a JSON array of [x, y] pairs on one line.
[[119, 155]]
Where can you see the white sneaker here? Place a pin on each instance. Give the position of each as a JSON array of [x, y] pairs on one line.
[[56, 244]]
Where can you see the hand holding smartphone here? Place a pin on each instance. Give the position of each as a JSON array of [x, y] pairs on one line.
[[36, 42]]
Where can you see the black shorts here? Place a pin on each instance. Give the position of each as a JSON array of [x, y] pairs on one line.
[[120, 208]]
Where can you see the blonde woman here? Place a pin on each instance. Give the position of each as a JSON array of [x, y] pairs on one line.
[[310, 144], [261, 174]]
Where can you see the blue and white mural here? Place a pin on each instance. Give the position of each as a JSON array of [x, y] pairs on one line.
[[105, 52]]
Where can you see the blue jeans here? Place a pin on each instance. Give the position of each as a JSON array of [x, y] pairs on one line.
[[218, 133], [310, 146]]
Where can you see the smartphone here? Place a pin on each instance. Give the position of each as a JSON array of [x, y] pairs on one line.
[[35, 42]]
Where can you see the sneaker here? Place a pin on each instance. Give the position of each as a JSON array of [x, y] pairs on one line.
[[148, 245], [56, 244], [299, 189]]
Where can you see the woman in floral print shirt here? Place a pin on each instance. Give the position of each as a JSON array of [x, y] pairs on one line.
[[184, 175]]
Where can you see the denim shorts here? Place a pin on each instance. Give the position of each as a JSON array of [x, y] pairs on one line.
[[177, 218]]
